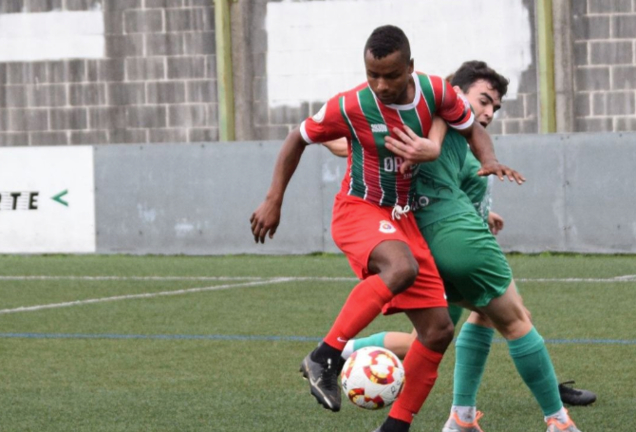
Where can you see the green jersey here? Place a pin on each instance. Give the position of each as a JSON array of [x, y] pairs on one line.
[[478, 188], [438, 192]]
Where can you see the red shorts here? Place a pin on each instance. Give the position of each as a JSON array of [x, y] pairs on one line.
[[358, 227]]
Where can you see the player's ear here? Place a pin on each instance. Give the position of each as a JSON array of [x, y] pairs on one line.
[[411, 66], [458, 90]]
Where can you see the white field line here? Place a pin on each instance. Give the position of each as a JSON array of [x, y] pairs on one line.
[[254, 281], [625, 278], [133, 278], [139, 296]]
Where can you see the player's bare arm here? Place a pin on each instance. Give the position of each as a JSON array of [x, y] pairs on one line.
[[415, 149], [481, 145], [266, 218], [339, 147]]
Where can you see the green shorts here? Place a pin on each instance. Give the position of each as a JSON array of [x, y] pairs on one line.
[[468, 258]]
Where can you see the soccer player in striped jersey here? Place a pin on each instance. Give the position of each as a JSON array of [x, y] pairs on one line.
[[371, 223]]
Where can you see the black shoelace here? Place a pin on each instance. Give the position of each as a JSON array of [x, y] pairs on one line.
[[330, 375]]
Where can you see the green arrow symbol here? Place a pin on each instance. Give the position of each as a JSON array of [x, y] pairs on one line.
[[59, 196]]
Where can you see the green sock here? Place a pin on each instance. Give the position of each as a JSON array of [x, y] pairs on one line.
[[455, 313], [373, 340], [472, 348], [535, 367]]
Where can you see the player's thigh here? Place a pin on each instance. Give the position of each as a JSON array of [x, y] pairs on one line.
[[427, 291], [357, 227], [469, 259]]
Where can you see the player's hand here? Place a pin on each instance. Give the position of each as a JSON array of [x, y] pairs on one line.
[[265, 220], [411, 147], [495, 223], [501, 171]]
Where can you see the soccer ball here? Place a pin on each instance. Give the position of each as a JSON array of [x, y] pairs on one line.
[[372, 378]]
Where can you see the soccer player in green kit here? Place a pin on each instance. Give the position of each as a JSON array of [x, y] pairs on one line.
[[475, 271]]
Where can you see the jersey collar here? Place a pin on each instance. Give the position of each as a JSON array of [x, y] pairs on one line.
[[409, 106]]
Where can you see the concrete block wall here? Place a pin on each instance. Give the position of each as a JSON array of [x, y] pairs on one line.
[[604, 38], [255, 119], [155, 83], [518, 114], [600, 84]]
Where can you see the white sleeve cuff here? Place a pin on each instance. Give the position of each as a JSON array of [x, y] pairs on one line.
[[303, 133]]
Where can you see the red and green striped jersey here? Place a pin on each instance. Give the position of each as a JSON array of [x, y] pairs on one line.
[[373, 171]]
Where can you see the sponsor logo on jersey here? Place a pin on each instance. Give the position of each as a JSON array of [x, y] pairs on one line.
[[320, 115], [392, 163], [379, 128], [386, 227]]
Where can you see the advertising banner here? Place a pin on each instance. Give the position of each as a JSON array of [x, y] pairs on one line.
[[47, 200]]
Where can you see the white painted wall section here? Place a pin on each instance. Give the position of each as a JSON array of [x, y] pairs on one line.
[[32, 220], [51, 35], [315, 49]]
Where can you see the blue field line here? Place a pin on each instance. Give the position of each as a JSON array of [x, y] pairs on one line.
[[262, 338], [582, 341], [163, 337]]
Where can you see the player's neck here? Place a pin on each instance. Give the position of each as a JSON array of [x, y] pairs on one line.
[[409, 95]]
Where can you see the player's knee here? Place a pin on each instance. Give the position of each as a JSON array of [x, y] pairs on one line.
[[529, 314], [515, 328], [446, 334], [402, 275], [438, 337]]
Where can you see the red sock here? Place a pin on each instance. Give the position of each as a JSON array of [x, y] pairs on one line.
[[420, 368], [362, 306]]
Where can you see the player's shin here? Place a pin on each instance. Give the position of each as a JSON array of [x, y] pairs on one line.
[[362, 306], [472, 349], [420, 366], [533, 362]]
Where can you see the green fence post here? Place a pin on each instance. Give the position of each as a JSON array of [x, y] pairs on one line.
[[224, 70], [547, 105]]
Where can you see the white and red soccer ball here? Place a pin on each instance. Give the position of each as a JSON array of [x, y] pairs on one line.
[[372, 378]]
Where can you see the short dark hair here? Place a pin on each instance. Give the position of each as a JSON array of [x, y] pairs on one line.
[[472, 71], [386, 40]]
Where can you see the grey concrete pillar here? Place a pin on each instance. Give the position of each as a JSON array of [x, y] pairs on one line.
[[563, 65]]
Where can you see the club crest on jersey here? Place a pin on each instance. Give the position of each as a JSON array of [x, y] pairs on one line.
[[379, 128], [386, 227], [320, 115]]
